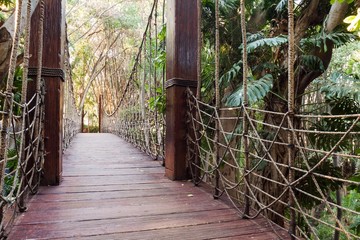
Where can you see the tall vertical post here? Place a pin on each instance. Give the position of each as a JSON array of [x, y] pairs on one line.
[[181, 73], [82, 119], [100, 112], [53, 75], [291, 109]]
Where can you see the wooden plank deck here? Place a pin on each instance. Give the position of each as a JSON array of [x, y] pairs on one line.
[[110, 190]]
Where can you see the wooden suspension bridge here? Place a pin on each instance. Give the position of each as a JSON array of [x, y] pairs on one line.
[[102, 187]]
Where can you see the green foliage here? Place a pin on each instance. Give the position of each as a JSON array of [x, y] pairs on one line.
[[352, 201], [347, 58], [207, 70], [331, 125], [257, 90], [338, 106], [355, 178], [341, 1], [10, 166], [311, 63], [6, 3], [230, 75], [281, 6], [354, 22], [355, 226], [160, 60], [266, 42], [342, 86], [308, 185], [319, 40], [158, 103]]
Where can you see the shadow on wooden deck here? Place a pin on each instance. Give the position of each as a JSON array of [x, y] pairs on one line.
[[110, 190]]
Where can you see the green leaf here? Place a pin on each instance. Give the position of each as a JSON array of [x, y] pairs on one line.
[[320, 39], [267, 42], [312, 63], [281, 6], [231, 74], [257, 90], [342, 86]]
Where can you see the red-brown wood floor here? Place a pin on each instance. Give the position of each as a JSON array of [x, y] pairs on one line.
[[110, 190]]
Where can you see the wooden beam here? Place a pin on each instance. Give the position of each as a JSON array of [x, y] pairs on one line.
[[53, 40], [181, 72]]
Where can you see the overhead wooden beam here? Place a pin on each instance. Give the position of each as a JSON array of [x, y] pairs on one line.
[[181, 72]]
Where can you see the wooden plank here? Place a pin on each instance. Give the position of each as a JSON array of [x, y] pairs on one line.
[[125, 225], [128, 205], [227, 229]]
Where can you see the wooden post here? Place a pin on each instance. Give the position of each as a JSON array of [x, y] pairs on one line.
[[100, 112], [53, 74], [82, 119], [181, 72]]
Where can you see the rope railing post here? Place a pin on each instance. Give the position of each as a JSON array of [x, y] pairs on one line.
[[291, 109], [22, 157], [217, 99], [245, 105]]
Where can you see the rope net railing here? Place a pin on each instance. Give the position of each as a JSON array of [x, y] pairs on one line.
[[294, 160], [71, 114], [21, 139], [138, 115]]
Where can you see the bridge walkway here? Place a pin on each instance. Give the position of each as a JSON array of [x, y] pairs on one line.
[[111, 190]]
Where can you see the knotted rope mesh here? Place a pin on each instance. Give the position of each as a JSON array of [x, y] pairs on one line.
[[22, 118], [22, 149], [72, 115], [282, 165]]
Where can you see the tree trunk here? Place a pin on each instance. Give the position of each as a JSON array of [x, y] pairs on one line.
[[278, 153]]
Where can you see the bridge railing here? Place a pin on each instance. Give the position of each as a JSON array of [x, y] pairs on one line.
[[22, 121], [139, 115], [300, 170], [324, 177], [71, 113]]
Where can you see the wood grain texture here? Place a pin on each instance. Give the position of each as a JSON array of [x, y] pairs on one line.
[[104, 196], [181, 63], [52, 57]]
